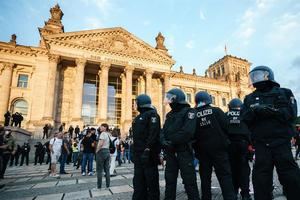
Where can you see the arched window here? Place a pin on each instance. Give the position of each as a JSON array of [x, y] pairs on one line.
[[20, 106]]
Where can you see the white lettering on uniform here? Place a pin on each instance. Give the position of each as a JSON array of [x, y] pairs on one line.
[[204, 113], [233, 113]]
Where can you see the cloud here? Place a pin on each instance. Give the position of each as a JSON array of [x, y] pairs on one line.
[[93, 23], [296, 63], [285, 31], [104, 6], [202, 16], [250, 18], [190, 44]]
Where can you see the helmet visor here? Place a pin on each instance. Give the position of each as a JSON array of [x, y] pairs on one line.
[[169, 98], [258, 76]]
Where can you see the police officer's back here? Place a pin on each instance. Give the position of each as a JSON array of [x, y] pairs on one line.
[[146, 149], [176, 137], [239, 136], [269, 111], [211, 147]]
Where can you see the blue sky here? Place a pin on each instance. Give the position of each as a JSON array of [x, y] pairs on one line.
[[266, 32]]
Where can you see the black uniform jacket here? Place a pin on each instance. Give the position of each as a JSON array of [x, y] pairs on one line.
[[211, 129], [146, 129], [179, 127], [271, 128]]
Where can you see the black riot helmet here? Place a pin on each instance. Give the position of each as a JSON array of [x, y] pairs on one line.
[[202, 98], [235, 104], [261, 74], [143, 101], [175, 96]]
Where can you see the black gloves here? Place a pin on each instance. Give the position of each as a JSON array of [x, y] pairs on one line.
[[265, 110]]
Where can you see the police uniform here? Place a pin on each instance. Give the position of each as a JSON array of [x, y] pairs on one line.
[[212, 151], [269, 111], [146, 149], [176, 137], [239, 136]]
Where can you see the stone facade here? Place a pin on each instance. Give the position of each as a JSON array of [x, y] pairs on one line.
[[51, 83]]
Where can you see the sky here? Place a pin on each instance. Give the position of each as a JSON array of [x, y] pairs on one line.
[[265, 32]]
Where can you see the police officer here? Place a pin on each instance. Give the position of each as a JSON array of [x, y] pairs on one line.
[[239, 136], [211, 147], [25, 149], [176, 137], [146, 149], [269, 111]]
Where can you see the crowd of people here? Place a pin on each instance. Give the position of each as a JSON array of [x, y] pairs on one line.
[[261, 125]]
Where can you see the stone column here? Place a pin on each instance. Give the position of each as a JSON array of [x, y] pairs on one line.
[[78, 92], [123, 100], [149, 74], [103, 95], [6, 70], [167, 87], [128, 113], [50, 93]]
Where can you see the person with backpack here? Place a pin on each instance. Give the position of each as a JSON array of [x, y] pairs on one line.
[[269, 112], [113, 155], [104, 148]]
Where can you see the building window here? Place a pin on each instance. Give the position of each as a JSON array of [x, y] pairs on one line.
[[114, 101], [189, 98], [90, 98], [23, 81], [213, 99], [223, 101], [20, 106]]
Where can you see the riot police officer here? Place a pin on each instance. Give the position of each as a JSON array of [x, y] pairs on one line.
[[239, 136], [269, 111], [211, 147], [176, 137], [146, 149]]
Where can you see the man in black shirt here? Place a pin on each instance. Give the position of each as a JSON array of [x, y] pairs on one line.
[[88, 145]]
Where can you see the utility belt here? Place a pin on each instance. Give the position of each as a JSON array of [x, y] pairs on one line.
[[178, 148]]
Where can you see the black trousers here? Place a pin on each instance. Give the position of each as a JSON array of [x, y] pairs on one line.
[[39, 158], [183, 161], [238, 157], [145, 180], [220, 161], [14, 158], [297, 151], [288, 171], [5, 160], [26, 156]]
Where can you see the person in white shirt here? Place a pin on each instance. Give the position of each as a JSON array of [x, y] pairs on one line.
[[55, 151], [114, 138], [103, 156]]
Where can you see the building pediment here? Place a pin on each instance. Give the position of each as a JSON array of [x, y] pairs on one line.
[[111, 41]]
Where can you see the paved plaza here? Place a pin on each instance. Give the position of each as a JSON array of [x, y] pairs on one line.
[[32, 182]]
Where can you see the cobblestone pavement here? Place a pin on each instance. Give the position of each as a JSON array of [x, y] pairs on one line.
[[32, 182]]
